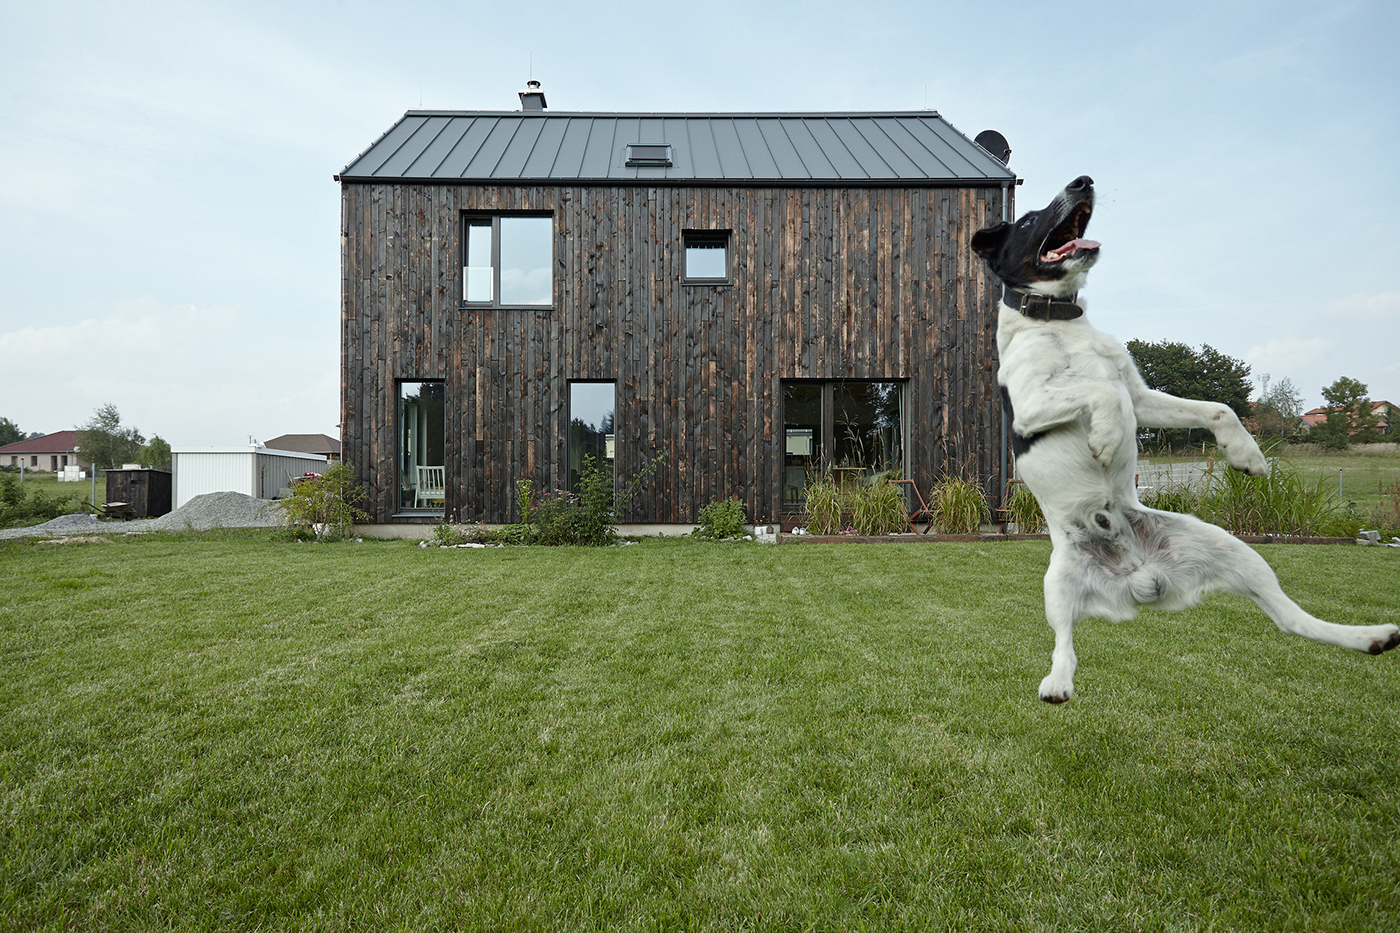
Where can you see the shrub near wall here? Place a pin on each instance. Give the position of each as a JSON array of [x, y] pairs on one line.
[[18, 510]]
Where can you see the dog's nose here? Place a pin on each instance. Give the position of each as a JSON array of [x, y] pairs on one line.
[[1080, 183]]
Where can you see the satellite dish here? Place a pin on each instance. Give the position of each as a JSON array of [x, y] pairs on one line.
[[996, 144]]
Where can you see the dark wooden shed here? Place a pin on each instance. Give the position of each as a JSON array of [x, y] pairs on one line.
[[757, 295], [147, 492]]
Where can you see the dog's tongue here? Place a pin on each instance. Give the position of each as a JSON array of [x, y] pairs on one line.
[[1069, 249]]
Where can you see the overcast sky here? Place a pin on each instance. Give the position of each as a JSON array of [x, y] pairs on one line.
[[170, 234]]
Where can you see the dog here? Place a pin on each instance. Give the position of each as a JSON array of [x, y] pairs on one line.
[[1074, 400]]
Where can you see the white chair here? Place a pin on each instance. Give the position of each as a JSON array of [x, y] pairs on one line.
[[432, 487]]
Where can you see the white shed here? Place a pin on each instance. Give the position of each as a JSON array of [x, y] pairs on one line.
[[260, 472]]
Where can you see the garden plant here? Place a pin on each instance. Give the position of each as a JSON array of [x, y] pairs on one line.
[[325, 504], [723, 518]]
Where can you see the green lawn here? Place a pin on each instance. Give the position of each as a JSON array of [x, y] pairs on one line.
[[1362, 471], [48, 482], [231, 732]]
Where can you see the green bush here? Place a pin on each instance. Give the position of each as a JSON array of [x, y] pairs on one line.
[[447, 534], [823, 506], [1281, 503], [1174, 498], [725, 518], [327, 504], [18, 510], [958, 506], [586, 517], [1023, 510], [877, 508]]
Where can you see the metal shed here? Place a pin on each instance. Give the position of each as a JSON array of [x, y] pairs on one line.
[[146, 492], [260, 472]]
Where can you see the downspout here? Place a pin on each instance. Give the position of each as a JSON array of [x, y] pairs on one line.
[[1008, 213]]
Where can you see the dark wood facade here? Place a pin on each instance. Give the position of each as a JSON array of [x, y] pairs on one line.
[[828, 283]]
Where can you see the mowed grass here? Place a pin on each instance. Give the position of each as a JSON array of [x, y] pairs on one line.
[[231, 732]]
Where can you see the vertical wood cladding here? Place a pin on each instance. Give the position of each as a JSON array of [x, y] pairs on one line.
[[827, 283]]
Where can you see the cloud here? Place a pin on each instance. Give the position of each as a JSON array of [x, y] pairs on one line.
[[1375, 307], [1285, 354], [195, 376]]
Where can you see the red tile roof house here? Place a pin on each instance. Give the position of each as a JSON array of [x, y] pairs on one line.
[[50, 453], [1385, 414]]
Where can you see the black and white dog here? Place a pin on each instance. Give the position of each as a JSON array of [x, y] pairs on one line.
[[1074, 400]]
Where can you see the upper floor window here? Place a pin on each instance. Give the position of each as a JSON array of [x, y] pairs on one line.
[[508, 260], [706, 256]]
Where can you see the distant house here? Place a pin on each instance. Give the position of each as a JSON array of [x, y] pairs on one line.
[[760, 297], [50, 453], [321, 444], [1387, 414]]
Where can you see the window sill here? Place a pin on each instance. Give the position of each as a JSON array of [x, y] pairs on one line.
[[483, 307]]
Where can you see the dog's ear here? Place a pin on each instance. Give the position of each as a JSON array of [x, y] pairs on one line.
[[987, 241]]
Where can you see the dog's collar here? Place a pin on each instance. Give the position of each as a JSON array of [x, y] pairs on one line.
[[1042, 308]]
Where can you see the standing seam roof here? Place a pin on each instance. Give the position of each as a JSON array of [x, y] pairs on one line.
[[445, 147]]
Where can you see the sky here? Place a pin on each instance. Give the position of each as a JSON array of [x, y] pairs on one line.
[[170, 235]]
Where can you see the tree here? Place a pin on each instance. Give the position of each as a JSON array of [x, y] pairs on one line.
[[1207, 374], [104, 442], [10, 432], [1279, 411], [1351, 418], [155, 455]]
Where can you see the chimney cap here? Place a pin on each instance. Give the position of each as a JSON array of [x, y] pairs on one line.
[[532, 98]]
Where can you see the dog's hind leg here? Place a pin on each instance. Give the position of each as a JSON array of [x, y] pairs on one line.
[[1245, 573], [1061, 610], [1291, 618]]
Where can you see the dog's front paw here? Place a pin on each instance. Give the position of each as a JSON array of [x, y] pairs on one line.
[[1056, 689], [1246, 457], [1238, 445], [1105, 440]]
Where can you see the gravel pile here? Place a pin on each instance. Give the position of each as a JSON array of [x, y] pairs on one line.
[[82, 523], [220, 510], [211, 510]]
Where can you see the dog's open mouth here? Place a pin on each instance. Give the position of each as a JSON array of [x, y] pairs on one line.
[[1070, 236]]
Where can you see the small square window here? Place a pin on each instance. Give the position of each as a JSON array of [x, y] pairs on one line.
[[706, 256], [649, 154]]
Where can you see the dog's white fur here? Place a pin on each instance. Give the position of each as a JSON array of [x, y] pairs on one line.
[[1077, 392]]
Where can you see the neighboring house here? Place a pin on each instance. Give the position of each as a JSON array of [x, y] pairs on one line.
[[50, 453], [321, 444], [1386, 413], [757, 296]]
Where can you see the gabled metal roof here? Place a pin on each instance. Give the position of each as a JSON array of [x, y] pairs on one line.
[[452, 147]]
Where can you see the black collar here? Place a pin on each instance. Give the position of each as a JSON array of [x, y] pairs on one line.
[[1041, 307]]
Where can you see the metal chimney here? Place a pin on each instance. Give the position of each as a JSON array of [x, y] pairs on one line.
[[532, 98]]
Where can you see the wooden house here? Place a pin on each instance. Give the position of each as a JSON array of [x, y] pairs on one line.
[[757, 296]]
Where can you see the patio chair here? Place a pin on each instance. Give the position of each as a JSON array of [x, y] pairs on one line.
[[431, 491]]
